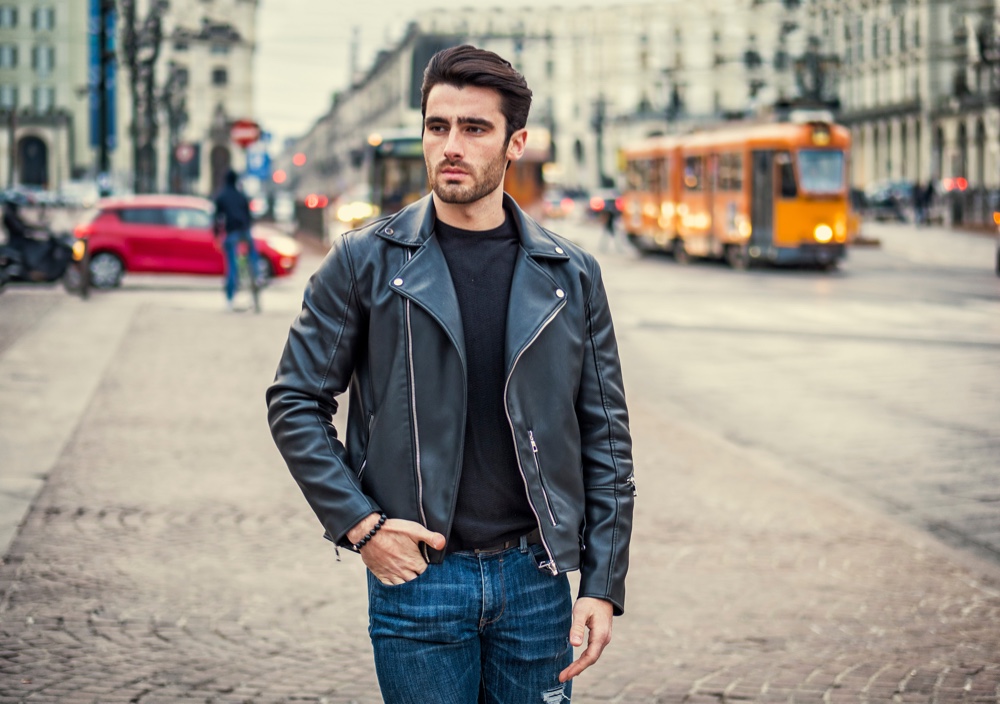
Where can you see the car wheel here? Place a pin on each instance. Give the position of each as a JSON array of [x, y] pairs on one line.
[[106, 270]]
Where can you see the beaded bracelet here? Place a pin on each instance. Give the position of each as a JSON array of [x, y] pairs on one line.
[[371, 534]]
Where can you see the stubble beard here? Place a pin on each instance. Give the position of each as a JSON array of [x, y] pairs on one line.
[[483, 183]]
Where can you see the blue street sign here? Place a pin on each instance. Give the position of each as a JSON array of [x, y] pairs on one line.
[[259, 164]]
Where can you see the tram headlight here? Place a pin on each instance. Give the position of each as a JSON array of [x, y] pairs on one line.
[[823, 233]]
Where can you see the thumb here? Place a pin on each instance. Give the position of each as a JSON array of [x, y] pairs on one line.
[[577, 631], [421, 534]]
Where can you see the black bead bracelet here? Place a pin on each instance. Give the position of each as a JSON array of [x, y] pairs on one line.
[[371, 534]]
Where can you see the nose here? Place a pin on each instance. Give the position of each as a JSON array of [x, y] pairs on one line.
[[453, 146]]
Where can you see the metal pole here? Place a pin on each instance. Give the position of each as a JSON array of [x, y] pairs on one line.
[[103, 162], [12, 146]]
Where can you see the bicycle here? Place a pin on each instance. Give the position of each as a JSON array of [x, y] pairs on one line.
[[247, 279]]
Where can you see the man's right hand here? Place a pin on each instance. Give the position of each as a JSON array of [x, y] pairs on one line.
[[393, 555]]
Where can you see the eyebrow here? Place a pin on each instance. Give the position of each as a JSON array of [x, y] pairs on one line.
[[478, 121]]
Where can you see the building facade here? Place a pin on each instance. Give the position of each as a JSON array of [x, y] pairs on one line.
[[920, 90], [601, 77], [201, 82], [44, 123]]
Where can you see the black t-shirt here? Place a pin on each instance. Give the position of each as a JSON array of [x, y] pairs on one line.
[[492, 503]]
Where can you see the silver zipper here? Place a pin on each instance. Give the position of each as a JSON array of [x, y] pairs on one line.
[[364, 462], [631, 480], [413, 415], [549, 564], [538, 469]]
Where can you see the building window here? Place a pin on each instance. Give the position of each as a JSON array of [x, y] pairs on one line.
[[220, 77], [874, 41], [8, 16], [219, 48], [8, 56], [43, 18], [181, 45], [861, 40], [916, 32], [43, 59], [43, 98], [8, 97]]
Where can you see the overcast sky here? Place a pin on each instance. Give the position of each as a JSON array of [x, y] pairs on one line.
[[304, 48]]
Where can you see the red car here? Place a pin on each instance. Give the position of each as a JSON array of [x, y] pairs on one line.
[[168, 234]]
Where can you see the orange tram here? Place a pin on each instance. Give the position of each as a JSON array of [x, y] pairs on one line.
[[762, 193]]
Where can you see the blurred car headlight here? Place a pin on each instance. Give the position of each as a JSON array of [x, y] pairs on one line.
[[79, 249], [284, 246]]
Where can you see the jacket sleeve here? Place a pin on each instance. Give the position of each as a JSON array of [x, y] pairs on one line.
[[315, 367], [606, 447]]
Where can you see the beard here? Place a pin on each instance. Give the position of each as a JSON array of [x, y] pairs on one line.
[[483, 181]]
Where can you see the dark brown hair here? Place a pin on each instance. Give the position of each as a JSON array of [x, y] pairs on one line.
[[466, 65]]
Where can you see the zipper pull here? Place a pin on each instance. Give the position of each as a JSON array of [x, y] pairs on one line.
[[548, 566], [531, 436], [631, 480]]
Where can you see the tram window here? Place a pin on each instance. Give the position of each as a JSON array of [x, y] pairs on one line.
[[787, 173], [821, 170], [731, 172], [693, 166], [653, 175], [638, 175], [664, 166]]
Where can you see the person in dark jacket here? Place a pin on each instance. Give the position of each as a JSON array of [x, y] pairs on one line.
[[233, 221], [487, 451]]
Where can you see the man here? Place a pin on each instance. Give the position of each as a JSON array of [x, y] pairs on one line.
[[487, 449], [232, 216]]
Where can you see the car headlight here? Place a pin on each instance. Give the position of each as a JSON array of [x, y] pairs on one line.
[[284, 246], [823, 233]]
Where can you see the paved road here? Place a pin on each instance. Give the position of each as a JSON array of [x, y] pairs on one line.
[[883, 376], [169, 557]]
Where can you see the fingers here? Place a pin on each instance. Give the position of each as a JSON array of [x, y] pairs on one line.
[[393, 554], [419, 534], [596, 615]]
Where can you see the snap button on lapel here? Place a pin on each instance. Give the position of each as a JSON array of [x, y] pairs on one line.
[[397, 282], [560, 293], [388, 230], [559, 250]]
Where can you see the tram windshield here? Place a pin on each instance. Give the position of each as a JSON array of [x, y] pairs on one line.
[[821, 170]]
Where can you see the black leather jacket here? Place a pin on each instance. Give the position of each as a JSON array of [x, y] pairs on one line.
[[380, 316]]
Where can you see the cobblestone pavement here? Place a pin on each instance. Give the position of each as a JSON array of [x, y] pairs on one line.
[[170, 557]]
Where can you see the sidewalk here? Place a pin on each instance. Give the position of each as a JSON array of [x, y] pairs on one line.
[[935, 245], [171, 558]]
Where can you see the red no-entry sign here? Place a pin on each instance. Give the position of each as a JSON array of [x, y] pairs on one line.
[[244, 132]]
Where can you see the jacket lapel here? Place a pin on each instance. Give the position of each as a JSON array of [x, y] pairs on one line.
[[426, 281], [535, 297]]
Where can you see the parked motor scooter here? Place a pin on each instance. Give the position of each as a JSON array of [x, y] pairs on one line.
[[57, 256]]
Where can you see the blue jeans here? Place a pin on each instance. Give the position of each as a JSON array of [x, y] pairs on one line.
[[477, 628], [229, 246]]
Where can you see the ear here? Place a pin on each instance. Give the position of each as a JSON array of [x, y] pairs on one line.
[[515, 147]]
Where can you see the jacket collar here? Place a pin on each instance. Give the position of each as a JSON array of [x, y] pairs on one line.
[[413, 226]]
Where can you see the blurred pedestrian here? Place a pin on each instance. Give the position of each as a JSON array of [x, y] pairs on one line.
[[487, 437], [610, 230], [920, 203], [233, 221]]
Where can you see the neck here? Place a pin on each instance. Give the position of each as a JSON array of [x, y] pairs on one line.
[[484, 214]]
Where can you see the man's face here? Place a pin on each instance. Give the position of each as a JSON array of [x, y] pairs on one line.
[[465, 144]]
